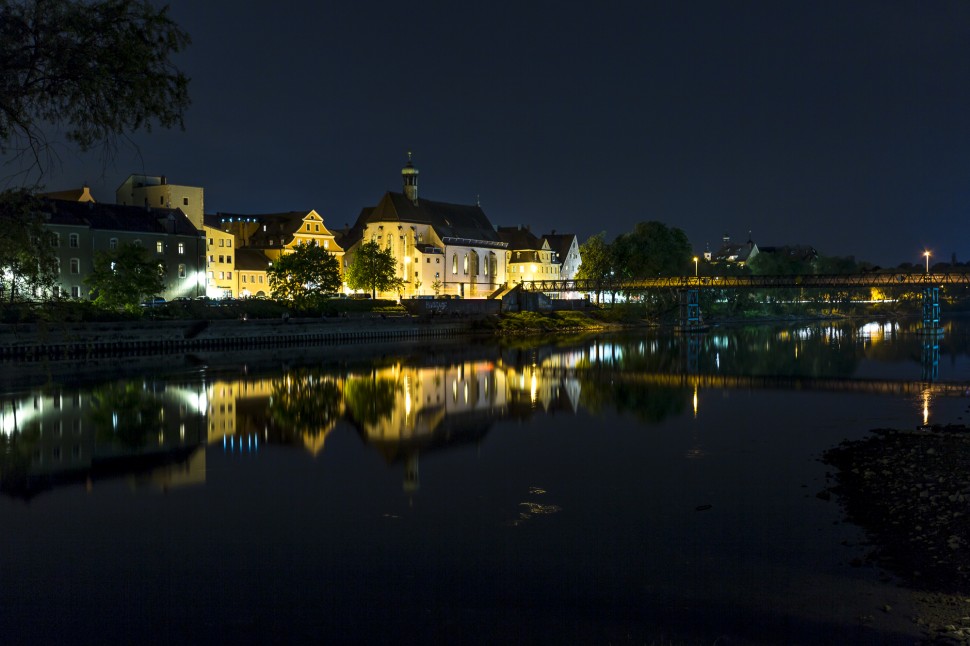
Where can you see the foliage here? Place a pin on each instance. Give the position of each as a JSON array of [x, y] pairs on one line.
[[96, 70], [519, 322], [651, 249], [597, 258], [125, 413], [305, 402], [28, 266], [305, 276], [373, 269], [124, 277], [369, 399]]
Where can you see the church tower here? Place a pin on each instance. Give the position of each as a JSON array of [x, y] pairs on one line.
[[410, 175]]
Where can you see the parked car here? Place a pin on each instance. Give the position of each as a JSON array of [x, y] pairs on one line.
[[155, 301], [360, 297]]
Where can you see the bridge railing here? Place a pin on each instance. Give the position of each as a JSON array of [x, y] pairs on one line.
[[751, 282]]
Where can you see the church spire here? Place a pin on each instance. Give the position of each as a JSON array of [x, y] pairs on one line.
[[410, 175]]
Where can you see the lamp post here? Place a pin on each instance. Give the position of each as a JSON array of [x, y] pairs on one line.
[[695, 266], [927, 254]]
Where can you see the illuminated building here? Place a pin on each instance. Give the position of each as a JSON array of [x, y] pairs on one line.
[[438, 247], [528, 257]]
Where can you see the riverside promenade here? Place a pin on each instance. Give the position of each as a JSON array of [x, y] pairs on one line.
[[52, 341]]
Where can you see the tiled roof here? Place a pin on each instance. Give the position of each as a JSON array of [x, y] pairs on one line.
[[519, 238], [251, 260], [117, 217], [465, 222]]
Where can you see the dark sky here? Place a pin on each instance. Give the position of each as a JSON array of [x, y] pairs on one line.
[[840, 124]]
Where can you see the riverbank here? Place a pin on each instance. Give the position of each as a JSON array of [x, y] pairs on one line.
[[910, 492]]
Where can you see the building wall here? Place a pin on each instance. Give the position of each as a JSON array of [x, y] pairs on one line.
[[155, 191], [221, 281], [180, 253]]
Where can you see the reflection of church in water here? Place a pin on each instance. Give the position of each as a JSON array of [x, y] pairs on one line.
[[400, 410], [160, 430]]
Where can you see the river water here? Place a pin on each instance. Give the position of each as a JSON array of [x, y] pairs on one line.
[[637, 488]]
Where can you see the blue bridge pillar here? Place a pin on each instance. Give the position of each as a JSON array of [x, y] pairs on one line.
[[931, 333], [931, 309], [690, 309]]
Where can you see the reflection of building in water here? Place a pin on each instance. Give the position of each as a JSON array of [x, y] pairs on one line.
[[286, 409], [65, 433]]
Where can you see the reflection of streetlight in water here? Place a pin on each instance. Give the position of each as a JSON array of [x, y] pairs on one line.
[[926, 407], [695, 401]]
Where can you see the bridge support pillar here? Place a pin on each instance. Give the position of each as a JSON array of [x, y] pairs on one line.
[[931, 309], [690, 309], [931, 333]]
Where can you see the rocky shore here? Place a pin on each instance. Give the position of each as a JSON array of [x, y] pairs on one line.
[[910, 492]]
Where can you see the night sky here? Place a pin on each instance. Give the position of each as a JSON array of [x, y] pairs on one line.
[[844, 125]]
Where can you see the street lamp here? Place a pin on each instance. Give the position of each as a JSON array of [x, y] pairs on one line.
[[695, 266], [927, 254]]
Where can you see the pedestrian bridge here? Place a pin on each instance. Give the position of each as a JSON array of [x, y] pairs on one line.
[[817, 281]]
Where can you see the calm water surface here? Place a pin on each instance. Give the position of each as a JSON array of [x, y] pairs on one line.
[[644, 488]]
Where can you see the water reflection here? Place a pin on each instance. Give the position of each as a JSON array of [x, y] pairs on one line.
[[407, 406]]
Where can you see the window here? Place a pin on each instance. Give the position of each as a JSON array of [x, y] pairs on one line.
[[75, 266], [464, 264], [326, 244], [212, 275], [159, 247], [454, 263], [261, 278], [161, 200], [57, 264], [222, 275], [229, 259], [222, 259], [229, 275], [137, 242], [181, 248], [427, 260], [211, 242], [243, 278], [113, 243], [212, 258], [185, 201], [75, 292], [316, 227], [228, 243], [55, 239], [437, 261], [74, 241], [181, 271], [222, 243]]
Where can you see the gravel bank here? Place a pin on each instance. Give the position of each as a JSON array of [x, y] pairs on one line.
[[910, 492]]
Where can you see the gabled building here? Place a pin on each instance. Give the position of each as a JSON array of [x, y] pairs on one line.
[[81, 229], [566, 248], [265, 237], [735, 254], [439, 248], [528, 257]]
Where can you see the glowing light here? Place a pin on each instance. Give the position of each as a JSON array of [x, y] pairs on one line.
[[927, 254], [695, 396], [926, 407], [535, 389]]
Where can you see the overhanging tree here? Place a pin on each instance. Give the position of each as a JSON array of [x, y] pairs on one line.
[[28, 267], [373, 269], [304, 275], [124, 277], [93, 70], [597, 262]]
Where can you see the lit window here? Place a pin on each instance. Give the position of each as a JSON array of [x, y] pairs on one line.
[[211, 242], [222, 243], [229, 275], [76, 292], [159, 247], [454, 263], [182, 271], [228, 243], [181, 248]]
